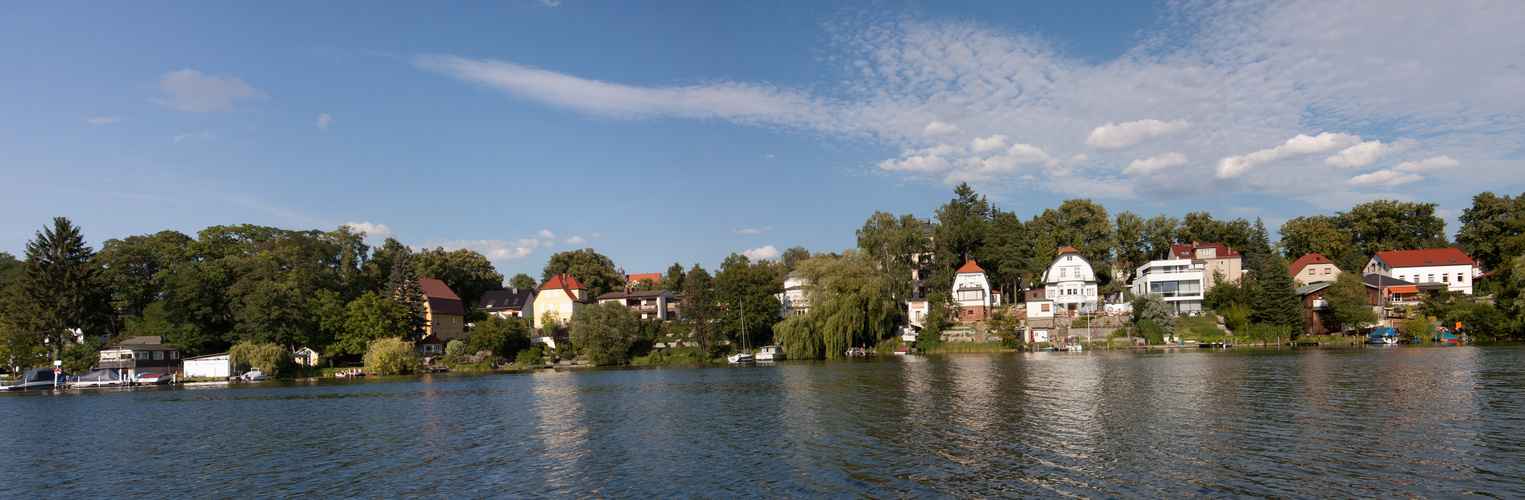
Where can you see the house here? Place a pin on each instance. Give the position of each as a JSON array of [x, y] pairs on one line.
[[1395, 290], [143, 354], [917, 308], [1070, 282], [1181, 281], [1038, 304], [429, 346], [651, 304], [971, 293], [1313, 268], [1316, 317], [635, 279], [445, 315], [305, 357], [559, 296], [510, 303], [1215, 257], [218, 365], [1435, 267], [793, 299]]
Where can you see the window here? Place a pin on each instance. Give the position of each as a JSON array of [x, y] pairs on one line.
[[436, 321], [174, 355], [1310, 271], [140, 355], [1445, 278], [452, 321], [1064, 272], [1326, 271], [1459, 278], [1045, 307], [1431, 280], [1069, 258], [1403, 277], [158, 354]]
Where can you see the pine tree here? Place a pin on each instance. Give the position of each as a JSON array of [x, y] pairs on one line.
[[1276, 300], [60, 287], [403, 287]]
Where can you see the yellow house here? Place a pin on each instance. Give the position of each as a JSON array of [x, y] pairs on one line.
[[559, 296], [446, 316]]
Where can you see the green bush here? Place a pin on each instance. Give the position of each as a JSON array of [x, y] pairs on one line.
[[267, 358], [392, 356], [455, 348], [1152, 332], [530, 357]]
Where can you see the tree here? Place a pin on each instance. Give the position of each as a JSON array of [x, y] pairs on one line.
[[1008, 253], [271, 314], [848, 307], [1385, 225], [404, 288], [1256, 252], [392, 356], [502, 336], [1132, 239], [1161, 232], [469, 274], [1081, 224], [792, 257], [1320, 234], [522, 281], [673, 280], [592, 269], [1349, 303], [1153, 308], [369, 318], [1493, 229], [961, 226], [1276, 301], [455, 347], [60, 288], [892, 244], [604, 331], [325, 314], [699, 310], [134, 268], [378, 271], [267, 358], [750, 287]]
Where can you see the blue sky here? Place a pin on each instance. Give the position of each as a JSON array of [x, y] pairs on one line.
[[684, 131]]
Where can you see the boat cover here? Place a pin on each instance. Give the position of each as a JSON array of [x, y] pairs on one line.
[[1384, 331], [100, 376]]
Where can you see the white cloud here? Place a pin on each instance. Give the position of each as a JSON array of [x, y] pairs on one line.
[[547, 234], [927, 164], [767, 252], [1359, 155], [204, 135], [1114, 136], [574, 240], [189, 90], [105, 120], [991, 143], [1017, 158], [748, 231], [373, 232], [323, 121], [1234, 166], [1386, 178], [495, 250], [939, 128], [1427, 164], [1154, 163], [595, 235]]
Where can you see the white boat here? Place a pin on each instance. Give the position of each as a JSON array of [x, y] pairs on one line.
[[253, 375], [771, 353], [740, 358], [1076, 348]]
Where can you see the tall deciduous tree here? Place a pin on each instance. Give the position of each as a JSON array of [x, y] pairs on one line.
[[469, 274], [604, 332], [61, 287], [1385, 225], [591, 268], [366, 319], [522, 281], [1320, 234], [504, 337], [892, 244], [1493, 229], [1132, 239], [404, 288], [1349, 303], [699, 309], [750, 287], [1081, 224], [792, 257], [134, 268], [1161, 232], [847, 308]]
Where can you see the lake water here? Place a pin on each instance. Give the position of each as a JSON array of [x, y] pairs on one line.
[[1377, 422]]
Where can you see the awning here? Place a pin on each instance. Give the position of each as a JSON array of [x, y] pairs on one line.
[[1403, 289]]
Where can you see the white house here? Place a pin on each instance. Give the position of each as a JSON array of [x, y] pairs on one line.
[[1181, 281], [971, 291], [1070, 282], [1434, 267], [793, 300], [211, 365], [650, 304]]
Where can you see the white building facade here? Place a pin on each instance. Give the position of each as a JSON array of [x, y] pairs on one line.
[[1070, 283], [1181, 281], [1447, 267], [971, 291]]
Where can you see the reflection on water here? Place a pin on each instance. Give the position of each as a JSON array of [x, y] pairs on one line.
[[1395, 422]]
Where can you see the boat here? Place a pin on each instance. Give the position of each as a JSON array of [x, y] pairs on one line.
[[1447, 338], [855, 352], [905, 350], [771, 353], [154, 378], [1076, 347], [99, 378], [1382, 336], [742, 357], [253, 375], [38, 378]]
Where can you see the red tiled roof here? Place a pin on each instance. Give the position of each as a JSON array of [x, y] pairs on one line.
[[1065, 250], [1429, 257], [562, 281], [1302, 262], [970, 267], [441, 299], [1189, 251], [636, 278]]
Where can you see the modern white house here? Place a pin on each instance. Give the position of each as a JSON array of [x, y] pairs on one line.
[[1181, 281], [1435, 267], [1070, 284], [210, 366], [650, 304], [1217, 257]]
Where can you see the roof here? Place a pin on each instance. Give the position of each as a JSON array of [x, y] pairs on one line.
[[1403, 289], [505, 300], [205, 356], [632, 295], [1307, 289], [971, 267], [1065, 250], [636, 278], [441, 299], [144, 339], [564, 282], [430, 339], [141, 343], [1190, 251], [1428, 257], [1304, 261], [1384, 281]]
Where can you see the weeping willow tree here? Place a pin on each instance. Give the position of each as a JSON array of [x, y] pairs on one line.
[[849, 305]]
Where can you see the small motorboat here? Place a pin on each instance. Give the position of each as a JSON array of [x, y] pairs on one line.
[[253, 375], [740, 357], [1447, 338], [1382, 336], [905, 350], [104, 377], [153, 378], [38, 378], [771, 353], [1075, 347], [856, 352]]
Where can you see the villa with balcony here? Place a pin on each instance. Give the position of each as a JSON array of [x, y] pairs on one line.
[[651, 304], [1181, 281]]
